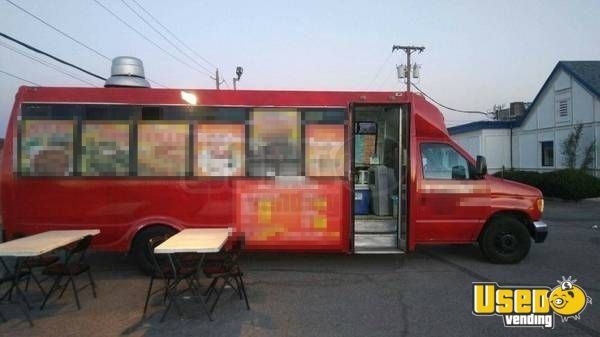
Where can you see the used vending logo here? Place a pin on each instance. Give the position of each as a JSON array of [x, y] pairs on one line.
[[530, 306]]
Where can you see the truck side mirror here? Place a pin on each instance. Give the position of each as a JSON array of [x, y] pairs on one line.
[[459, 172], [481, 166]]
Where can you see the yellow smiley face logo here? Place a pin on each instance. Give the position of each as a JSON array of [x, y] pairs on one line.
[[568, 299]]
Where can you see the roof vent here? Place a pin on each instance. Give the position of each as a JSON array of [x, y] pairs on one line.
[[127, 71]]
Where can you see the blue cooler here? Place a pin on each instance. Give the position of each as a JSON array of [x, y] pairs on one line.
[[362, 198]]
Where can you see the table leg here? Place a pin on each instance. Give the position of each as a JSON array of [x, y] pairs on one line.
[[203, 302], [171, 291], [20, 295]]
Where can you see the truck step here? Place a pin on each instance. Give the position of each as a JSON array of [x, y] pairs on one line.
[[374, 225], [366, 251], [377, 240]]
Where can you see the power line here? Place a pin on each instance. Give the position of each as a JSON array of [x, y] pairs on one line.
[[95, 51], [226, 84], [449, 108], [47, 64], [51, 56], [384, 63], [149, 40], [173, 35], [58, 30], [164, 37], [390, 78], [19, 78]]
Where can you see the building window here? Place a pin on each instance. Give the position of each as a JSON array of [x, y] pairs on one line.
[[563, 108], [548, 154]]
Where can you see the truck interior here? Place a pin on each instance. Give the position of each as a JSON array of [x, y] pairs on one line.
[[380, 142]]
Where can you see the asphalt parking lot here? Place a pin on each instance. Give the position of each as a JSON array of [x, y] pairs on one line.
[[426, 293]]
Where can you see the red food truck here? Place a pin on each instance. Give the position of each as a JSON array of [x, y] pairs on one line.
[[352, 172]]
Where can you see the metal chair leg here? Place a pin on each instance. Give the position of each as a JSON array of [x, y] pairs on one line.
[[148, 295], [162, 318], [75, 292], [212, 308], [64, 288], [92, 283], [211, 288], [27, 281], [37, 282], [244, 290], [172, 302], [25, 310], [56, 281], [236, 287]]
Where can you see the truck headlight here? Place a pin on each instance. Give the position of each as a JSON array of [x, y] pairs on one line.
[[540, 205]]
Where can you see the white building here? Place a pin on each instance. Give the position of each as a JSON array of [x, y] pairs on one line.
[[570, 96]]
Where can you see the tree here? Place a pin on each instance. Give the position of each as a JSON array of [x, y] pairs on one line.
[[570, 150], [588, 158]]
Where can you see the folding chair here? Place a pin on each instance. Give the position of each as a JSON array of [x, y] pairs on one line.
[[227, 270], [8, 276], [36, 262], [158, 271], [72, 267], [171, 272]]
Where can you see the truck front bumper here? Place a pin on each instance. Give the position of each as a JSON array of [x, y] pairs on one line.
[[540, 231]]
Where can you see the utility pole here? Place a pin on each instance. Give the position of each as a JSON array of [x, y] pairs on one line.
[[408, 50], [217, 79]]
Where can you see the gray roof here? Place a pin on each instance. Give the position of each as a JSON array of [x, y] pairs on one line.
[[587, 73]]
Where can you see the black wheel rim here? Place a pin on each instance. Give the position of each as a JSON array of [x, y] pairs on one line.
[[506, 243]]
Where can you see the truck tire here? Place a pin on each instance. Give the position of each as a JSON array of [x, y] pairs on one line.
[[505, 240], [140, 246]]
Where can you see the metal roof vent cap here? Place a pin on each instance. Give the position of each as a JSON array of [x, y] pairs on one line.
[[127, 71]]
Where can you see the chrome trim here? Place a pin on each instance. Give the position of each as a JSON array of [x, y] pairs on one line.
[[540, 231]]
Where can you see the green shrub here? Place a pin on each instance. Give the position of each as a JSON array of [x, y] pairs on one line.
[[569, 184]]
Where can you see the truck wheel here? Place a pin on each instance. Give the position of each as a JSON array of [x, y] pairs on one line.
[[140, 246], [505, 240]]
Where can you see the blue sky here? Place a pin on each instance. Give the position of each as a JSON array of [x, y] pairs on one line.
[[479, 53]]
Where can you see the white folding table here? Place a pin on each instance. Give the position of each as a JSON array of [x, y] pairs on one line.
[[36, 245], [192, 240]]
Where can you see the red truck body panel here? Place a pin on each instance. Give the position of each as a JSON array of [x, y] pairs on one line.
[[439, 212]]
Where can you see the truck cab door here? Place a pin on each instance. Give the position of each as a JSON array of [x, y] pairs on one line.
[[452, 204]]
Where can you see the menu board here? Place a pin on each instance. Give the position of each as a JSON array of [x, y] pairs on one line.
[[220, 150], [301, 215], [325, 150], [364, 148]]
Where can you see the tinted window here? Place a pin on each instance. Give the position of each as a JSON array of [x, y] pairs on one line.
[[324, 116], [441, 161], [275, 143], [548, 153], [50, 111], [105, 149], [47, 147], [162, 149], [220, 150], [324, 150], [110, 112]]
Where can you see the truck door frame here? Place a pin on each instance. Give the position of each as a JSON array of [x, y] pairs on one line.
[[404, 240]]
